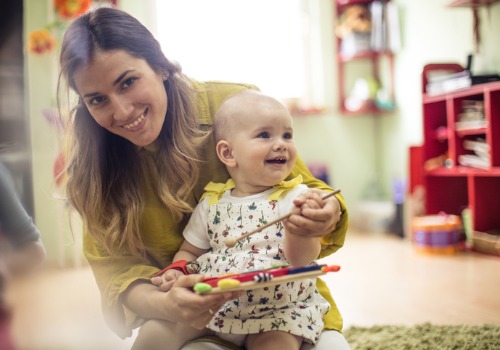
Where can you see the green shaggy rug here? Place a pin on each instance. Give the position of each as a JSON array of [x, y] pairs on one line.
[[424, 337]]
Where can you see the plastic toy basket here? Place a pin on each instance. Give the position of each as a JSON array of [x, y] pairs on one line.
[[437, 234]]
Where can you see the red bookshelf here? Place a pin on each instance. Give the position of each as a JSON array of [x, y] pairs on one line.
[[452, 186]]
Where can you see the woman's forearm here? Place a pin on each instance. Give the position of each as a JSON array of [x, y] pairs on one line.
[[147, 301], [179, 304]]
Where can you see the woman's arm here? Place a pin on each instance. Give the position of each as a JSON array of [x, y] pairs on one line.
[[180, 304], [187, 252]]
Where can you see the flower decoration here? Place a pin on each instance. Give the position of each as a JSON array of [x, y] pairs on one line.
[[41, 41], [53, 117], [44, 40], [71, 8]]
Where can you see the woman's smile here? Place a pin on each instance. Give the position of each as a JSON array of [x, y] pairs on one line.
[[136, 124]]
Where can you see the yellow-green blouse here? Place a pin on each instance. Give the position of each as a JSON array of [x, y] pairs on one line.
[[162, 235]]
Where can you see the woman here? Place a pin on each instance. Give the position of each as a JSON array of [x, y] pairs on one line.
[[140, 155]]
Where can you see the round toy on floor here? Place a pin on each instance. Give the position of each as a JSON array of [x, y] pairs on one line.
[[437, 234]]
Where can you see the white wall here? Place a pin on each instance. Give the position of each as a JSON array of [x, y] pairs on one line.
[[360, 151]]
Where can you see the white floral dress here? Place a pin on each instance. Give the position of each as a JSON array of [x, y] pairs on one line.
[[294, 307]]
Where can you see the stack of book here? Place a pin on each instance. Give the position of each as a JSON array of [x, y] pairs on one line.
[[448, 82], [480, 156], [439, 84], [471, 116]]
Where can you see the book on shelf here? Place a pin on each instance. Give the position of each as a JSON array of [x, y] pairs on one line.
[[474, 161], [471, 115], [449, 82], [472, 105], [479, 146], [470, 124], [455, 81]]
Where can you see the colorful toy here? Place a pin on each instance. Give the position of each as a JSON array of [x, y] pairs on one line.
[[354, 18], [261, 278], [441, 234]]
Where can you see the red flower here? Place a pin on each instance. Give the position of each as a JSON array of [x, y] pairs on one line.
[[71, 8], [41, 41]]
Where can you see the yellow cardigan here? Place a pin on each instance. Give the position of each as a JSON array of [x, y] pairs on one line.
[[162, 235]]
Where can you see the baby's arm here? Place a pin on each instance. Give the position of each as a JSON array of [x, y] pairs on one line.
[[303, 245], [187, 252]]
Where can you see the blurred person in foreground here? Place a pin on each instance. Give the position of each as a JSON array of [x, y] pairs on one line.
[[21, 248]]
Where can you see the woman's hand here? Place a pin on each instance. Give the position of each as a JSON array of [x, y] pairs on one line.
[[193, 309], [312, 216]]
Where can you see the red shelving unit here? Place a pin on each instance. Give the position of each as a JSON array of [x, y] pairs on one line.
[[451, 187], [471, 3]]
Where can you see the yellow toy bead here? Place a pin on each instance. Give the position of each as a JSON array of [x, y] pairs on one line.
[[228, 283]]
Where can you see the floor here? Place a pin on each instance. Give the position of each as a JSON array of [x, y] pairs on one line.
[[382, 280]]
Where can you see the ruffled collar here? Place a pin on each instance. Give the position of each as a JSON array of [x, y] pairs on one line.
[[214, 191]]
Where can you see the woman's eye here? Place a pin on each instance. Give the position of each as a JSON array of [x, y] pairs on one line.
[[264, 135], [126, 83], [95, 101]]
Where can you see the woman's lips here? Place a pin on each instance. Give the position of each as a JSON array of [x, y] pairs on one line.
[[135, 122]]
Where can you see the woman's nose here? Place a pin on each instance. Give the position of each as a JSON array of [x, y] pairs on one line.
[[122, 108]]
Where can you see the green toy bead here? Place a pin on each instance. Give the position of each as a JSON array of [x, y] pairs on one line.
[[202, 287]]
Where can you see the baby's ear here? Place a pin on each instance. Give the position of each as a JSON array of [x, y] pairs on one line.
[[225, 153]]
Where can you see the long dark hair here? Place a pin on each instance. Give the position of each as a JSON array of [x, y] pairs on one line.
[[104, 174]]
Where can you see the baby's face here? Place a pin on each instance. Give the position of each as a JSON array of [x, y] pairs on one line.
[[262, 146]]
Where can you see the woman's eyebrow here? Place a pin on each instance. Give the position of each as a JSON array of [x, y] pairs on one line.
[[117, 80]]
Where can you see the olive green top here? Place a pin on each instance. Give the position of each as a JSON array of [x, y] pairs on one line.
[[162, 235]]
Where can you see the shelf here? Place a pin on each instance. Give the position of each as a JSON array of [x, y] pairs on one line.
[[471, 3], [352, 2], [454, 187], [473, 90], [369, 110], [360, 61], [364, 55], [464, 171], [480, 131]]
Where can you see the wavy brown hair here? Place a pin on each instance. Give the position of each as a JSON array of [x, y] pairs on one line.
[[103, 169]]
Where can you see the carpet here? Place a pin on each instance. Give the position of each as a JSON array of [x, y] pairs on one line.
[[424, 336]]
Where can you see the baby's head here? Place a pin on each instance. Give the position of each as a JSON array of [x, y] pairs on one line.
[[254, 136]]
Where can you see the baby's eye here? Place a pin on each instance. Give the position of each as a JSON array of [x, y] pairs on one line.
[[264, 135], [126, 83], [288, 136]]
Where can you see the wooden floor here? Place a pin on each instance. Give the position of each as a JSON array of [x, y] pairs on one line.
[[382, 281]]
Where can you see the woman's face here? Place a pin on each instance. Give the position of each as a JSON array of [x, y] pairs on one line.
[[124, 95]]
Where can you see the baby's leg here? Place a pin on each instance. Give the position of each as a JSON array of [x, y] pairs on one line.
[[164, 335], [273, 340]]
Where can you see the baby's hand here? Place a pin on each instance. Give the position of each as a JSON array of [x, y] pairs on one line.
[[313, 216], [165, 281]]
